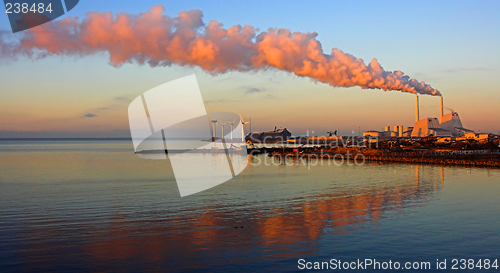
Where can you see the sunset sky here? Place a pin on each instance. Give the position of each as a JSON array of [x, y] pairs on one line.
[[451, 45]]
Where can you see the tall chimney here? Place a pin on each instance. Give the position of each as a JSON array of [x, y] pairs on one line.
[[442, 112], [417, 117]]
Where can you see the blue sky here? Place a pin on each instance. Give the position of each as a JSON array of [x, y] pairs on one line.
[[452, 45]]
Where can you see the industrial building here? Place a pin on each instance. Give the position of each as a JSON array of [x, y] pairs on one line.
[[429, 126], [448, 125], [452, 123]]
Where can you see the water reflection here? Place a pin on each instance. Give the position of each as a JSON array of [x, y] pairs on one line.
[[224, 227]]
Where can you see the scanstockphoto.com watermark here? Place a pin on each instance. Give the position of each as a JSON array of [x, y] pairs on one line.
[[361, 264], [374, 264]]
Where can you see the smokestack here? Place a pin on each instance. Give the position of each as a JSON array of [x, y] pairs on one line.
[[442, 112], [417, 117]]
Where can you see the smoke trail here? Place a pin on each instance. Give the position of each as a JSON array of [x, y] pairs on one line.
[[156, 39]]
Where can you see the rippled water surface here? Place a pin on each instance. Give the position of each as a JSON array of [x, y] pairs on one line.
[[95, 206]]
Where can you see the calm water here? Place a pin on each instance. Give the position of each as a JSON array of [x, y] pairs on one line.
[[95, 206]]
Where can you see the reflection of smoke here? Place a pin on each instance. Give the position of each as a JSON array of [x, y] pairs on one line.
[[184, 40], [284, 227]]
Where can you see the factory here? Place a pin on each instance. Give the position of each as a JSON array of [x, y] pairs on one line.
[[449, 126]]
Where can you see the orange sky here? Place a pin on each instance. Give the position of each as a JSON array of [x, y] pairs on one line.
[[86, 96]]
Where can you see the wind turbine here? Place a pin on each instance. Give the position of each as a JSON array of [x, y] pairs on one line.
[[223, 123], [214, 121], [232, 128], [242, 126]]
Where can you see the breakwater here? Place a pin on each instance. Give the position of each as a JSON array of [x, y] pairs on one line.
[[471, 158], [472, 162]]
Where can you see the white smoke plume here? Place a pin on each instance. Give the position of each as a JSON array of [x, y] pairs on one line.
[[157, 39]]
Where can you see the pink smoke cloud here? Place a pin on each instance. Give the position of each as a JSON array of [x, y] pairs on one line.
[[159, 40]]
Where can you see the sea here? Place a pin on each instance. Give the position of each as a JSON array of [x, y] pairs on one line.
[[92, 205]]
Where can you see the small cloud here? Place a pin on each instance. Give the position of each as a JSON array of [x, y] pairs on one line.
[[272, 80], [219, 101], [122, 99], [224, 79], [103, 108], [214, 101], [270, 97], [463, 69], [90, 115], [252, 90]]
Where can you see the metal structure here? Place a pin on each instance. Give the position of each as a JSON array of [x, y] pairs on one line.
[[242, 126], [222, 125], [214, 121], [232, 128], [417, 116]]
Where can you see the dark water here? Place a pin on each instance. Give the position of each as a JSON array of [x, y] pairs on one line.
[[94, 206]]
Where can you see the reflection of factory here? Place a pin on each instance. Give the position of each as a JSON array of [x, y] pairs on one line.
[[449, 125]]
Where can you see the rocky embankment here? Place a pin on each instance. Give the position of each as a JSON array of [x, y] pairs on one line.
[[471, 159]]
